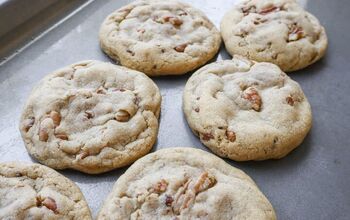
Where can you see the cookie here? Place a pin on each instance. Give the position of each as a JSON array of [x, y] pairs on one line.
[[159, 37], [276, 31], [33, 191], [246, 110], [91, 116], [185, 183]]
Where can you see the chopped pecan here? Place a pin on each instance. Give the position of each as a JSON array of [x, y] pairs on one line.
[[268, 9], [248, 9], [89, 114], [180, 48], [259, 21], [176, 22], [160, 186], [48, 202], [207, 136], [295, 33], [204, 182], [28, 123], [173, 20], [43, 134], [167, 18], [83, 155], [62, 136], [56, 118], [290, 100], [253, 97], [185, 195], [122, 116], [231, 136], [180, 196], [101, 90], [168, 200]]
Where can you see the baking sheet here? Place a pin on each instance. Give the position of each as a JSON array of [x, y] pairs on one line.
[[310, 183]]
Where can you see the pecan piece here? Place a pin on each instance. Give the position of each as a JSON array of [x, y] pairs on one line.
[[231, 136], [28, 123], [295, 33], [207, 136], [204, 182], [48, 202], [89, 114], [45, 126], [160, 186], [253, 97], [122, 116], [43, 134], [268, 9], [175, 21], [167, 18], [185, 196], [258, 21], [62, 136], [101, 90], [180, 48], [246, 10], [290, 100], [168, 200], [83, 155], [56, 118]]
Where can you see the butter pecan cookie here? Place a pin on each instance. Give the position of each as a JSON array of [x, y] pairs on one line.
[[185, 183], [246, 110], [91, 116], [276, 31], [33, 191], [159, 37]]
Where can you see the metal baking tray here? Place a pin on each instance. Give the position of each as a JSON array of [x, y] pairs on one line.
[[310, 183]]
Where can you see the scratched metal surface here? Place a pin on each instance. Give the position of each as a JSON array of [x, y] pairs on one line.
[[310, 183]]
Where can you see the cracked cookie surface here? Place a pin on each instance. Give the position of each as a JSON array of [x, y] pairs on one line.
[[33, 191], [185, 183], [91, 116], [276, 31], [246, 110], [159, 37]]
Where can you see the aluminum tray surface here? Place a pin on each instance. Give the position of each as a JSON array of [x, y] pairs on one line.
[[310, 183]]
